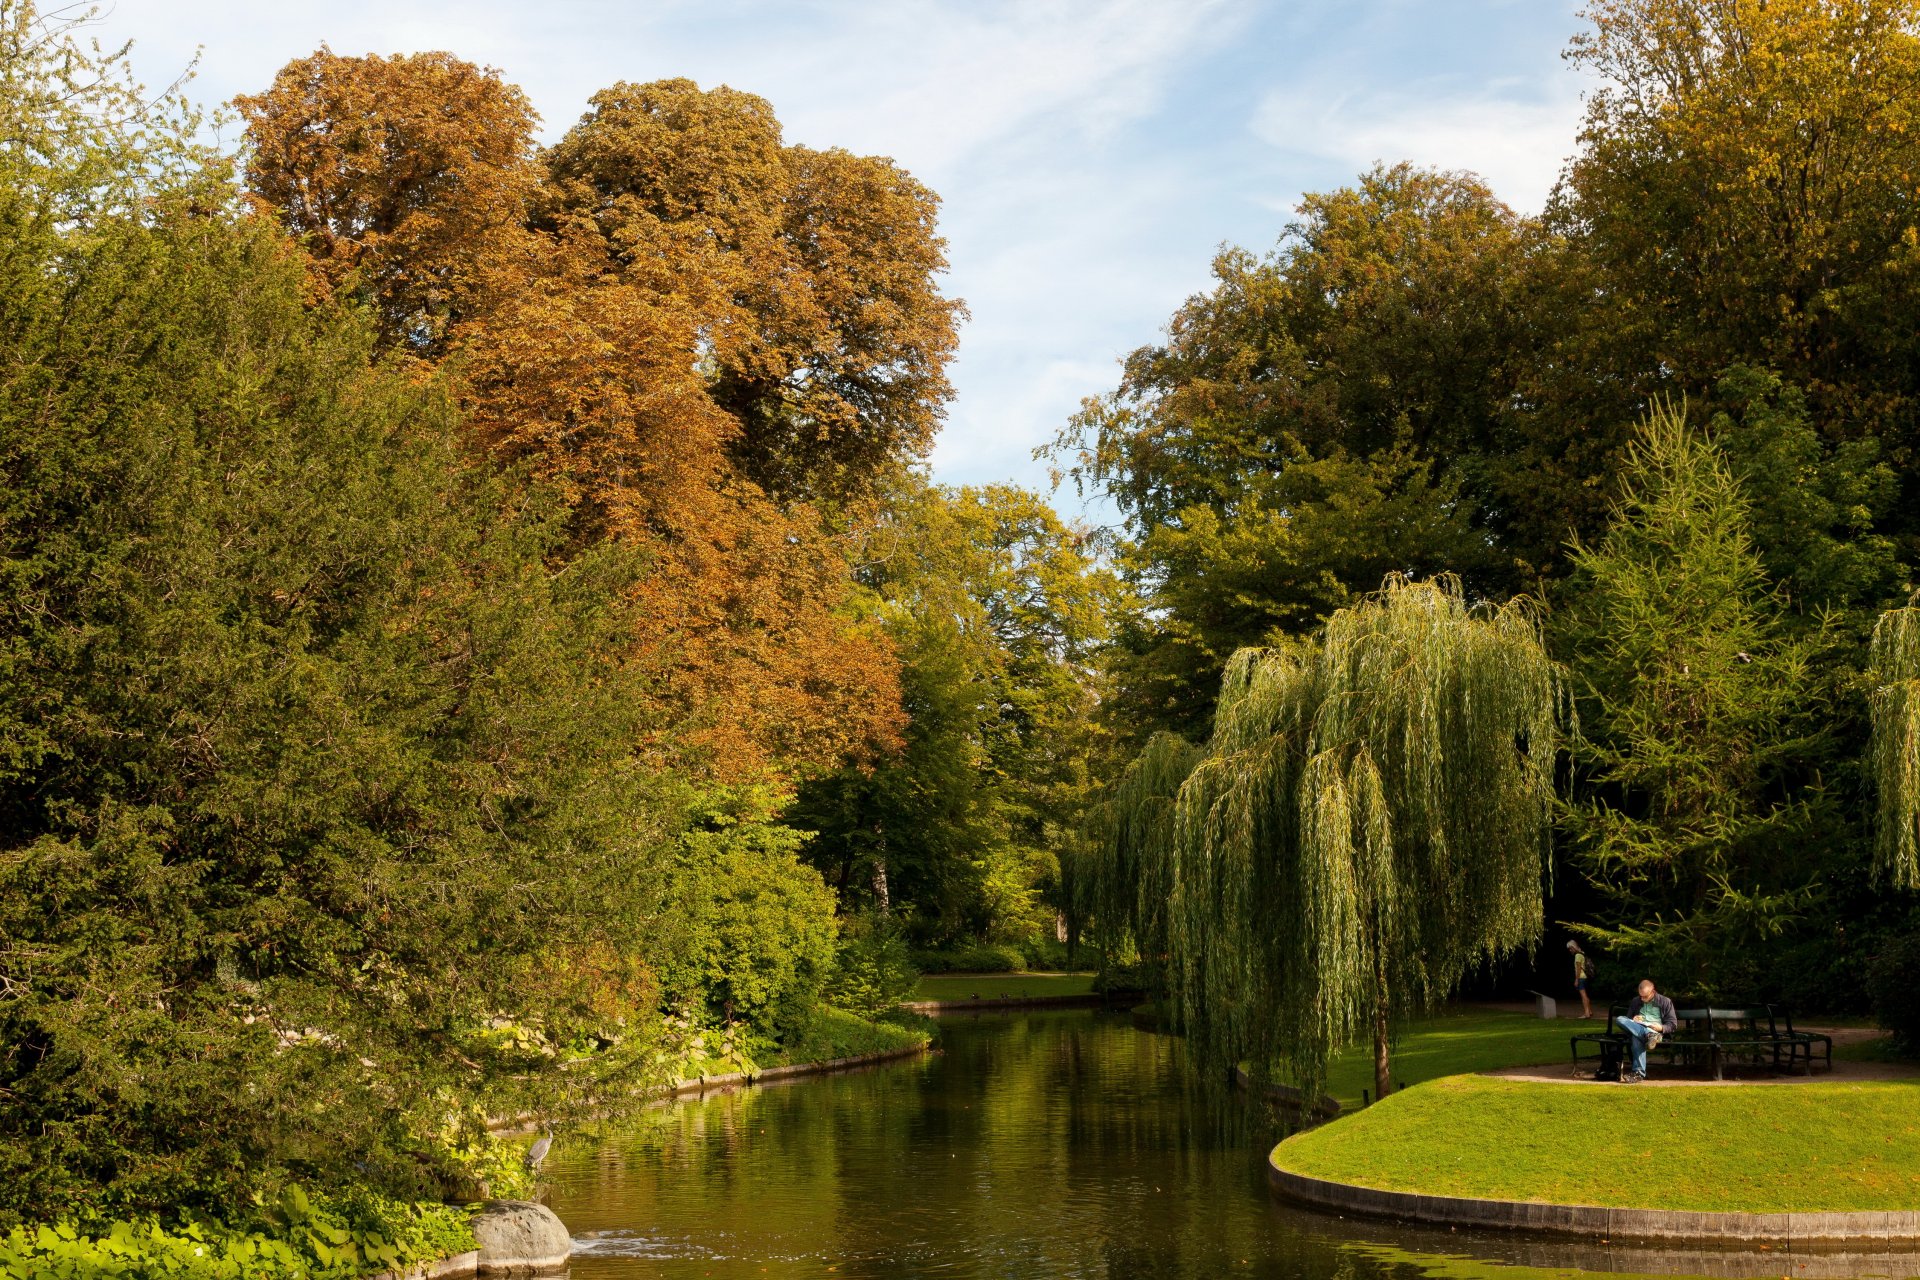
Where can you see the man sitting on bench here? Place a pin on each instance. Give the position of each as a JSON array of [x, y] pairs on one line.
[[1647, 1019]]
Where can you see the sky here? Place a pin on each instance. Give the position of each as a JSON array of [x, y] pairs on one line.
[[1092, 155]]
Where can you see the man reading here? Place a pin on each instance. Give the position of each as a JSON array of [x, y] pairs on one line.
[[1647, 1019]]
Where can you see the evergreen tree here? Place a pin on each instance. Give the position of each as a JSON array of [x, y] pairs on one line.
[[1699, 714]]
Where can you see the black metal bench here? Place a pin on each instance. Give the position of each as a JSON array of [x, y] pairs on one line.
[[1740, 1035]]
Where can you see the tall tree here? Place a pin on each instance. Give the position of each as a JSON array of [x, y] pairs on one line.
[[1369, 819], [1894, 756], [1339, 410], [813, 274], [998, 608], [319, 771], [717, 344], [1745, 190], [1703, 722], [404, 178]]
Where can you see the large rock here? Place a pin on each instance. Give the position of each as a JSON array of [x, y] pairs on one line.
[[521, 1238]]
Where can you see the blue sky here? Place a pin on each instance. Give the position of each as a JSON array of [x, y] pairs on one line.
[[1092, 154]]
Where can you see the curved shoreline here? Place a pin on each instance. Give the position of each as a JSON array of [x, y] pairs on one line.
[[791, 1071], [1883, 1226]]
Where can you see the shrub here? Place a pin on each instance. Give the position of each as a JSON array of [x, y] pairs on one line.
[[875, 970], [978, 958], [1044, 952], [1896, 996], [299, 1238], [834, 1033]]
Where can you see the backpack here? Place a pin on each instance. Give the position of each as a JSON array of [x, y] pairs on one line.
[[1609, 1068]]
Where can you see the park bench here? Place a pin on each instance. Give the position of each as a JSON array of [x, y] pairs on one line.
[[1739, 1035]]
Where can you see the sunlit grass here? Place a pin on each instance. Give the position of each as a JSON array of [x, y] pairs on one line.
[[1458, 1040], [1823, 1145]]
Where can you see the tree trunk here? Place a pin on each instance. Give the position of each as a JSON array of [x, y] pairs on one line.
[[1382, 1076], [880, 898]]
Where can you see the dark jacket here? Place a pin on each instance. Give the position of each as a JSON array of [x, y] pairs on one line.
[[1668, 1022]]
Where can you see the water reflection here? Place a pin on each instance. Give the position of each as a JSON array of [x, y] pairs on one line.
[[1037, 1144]]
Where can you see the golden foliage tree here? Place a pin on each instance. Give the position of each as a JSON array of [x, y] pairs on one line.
[[701, 333], [1747, 185], [401, 176], [812, 273]]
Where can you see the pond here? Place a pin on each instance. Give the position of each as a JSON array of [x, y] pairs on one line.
[[1055, 1143]]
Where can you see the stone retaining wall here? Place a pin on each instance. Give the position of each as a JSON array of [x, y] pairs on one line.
[[1888, 1227]]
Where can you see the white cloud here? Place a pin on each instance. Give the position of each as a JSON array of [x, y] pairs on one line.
[[1515, 134]]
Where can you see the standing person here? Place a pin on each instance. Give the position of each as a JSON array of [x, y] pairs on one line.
[[1646, 1021], [1582, 971]]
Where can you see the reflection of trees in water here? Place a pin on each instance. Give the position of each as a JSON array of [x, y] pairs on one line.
[[1045, 1144]]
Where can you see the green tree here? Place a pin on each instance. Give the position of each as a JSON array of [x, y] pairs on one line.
[[759, 920], [1703, 722], [1744, 194], [997, 608], [322, 829], [1123, 882], [1345, 408], [1368, 820]]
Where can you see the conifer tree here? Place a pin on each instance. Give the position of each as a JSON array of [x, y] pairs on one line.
[[1697, 711]]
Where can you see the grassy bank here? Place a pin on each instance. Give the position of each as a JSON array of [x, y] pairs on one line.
[[1818, 1146], [835, 1033], [1459, 1039], [1002, 986]]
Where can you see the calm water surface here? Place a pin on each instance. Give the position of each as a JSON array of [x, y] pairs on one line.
[[1043, 1144]]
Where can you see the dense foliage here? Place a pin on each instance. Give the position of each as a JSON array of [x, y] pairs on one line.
[[998, 610], [1368, 819], [297, 1238], [476, 639], [317, 766], [1418, 379], [1703, 723], [429, 572]]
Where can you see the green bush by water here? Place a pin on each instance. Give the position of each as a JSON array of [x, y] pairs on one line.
[[875, 969], [836, 1033], [297, 1238]]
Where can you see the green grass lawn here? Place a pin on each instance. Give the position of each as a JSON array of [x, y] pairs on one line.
[[1002, 986], [1460, 1039], [1763, 1149]]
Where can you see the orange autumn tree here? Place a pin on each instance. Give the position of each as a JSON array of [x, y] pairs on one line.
[[718, 343], [401, 176]]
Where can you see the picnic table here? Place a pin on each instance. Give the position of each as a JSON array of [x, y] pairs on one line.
[[1751, 1035]]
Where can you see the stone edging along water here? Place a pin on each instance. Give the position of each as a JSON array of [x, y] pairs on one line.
[[1894, 1226]]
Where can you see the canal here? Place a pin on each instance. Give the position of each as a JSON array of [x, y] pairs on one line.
[[1036, 1144]]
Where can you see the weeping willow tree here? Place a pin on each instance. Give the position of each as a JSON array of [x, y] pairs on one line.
[[1893, 755], [1125, 889], [1369, 820]]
